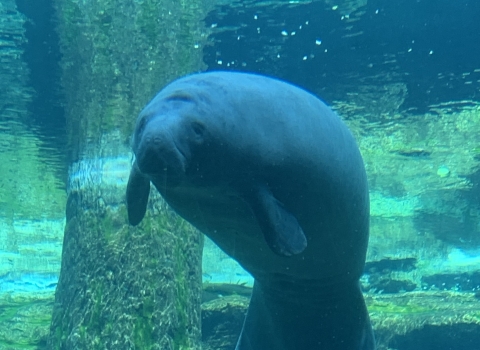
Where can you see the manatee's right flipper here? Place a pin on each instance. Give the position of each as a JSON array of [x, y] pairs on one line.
[[138, 189], [280, 227]]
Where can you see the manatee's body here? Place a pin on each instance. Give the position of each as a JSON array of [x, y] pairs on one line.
[[275, 178]]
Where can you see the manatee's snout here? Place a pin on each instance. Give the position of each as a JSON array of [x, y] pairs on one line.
[[157, 152]]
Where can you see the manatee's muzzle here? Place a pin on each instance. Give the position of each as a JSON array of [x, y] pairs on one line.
[[158, 156]]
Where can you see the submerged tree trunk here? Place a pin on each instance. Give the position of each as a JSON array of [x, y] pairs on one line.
[[122, 287]]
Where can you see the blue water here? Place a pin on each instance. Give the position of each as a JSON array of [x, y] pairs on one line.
[[404, 75]]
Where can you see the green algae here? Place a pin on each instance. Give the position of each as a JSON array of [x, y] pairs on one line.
[[391, 308], [25, 321], [180, 336], [143, 335]]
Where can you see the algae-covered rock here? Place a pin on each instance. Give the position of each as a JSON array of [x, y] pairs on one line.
[[222, 321], [407, 321], [25, 321]]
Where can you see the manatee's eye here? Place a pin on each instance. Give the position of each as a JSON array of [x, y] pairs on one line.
[[198, 131], [198, 128]]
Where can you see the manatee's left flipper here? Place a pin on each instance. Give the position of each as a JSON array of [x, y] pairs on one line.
[[138, 189], [280, 228]]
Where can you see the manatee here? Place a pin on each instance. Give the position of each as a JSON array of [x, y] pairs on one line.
[[275, 178]]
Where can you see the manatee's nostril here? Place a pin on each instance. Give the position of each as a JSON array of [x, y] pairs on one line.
[[159, 156]]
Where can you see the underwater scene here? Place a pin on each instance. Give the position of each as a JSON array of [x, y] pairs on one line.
[[329, 150]]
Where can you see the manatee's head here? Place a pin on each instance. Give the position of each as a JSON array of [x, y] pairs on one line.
[[166, 134]]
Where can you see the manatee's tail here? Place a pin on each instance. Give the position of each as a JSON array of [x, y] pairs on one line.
[[289, 317]]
